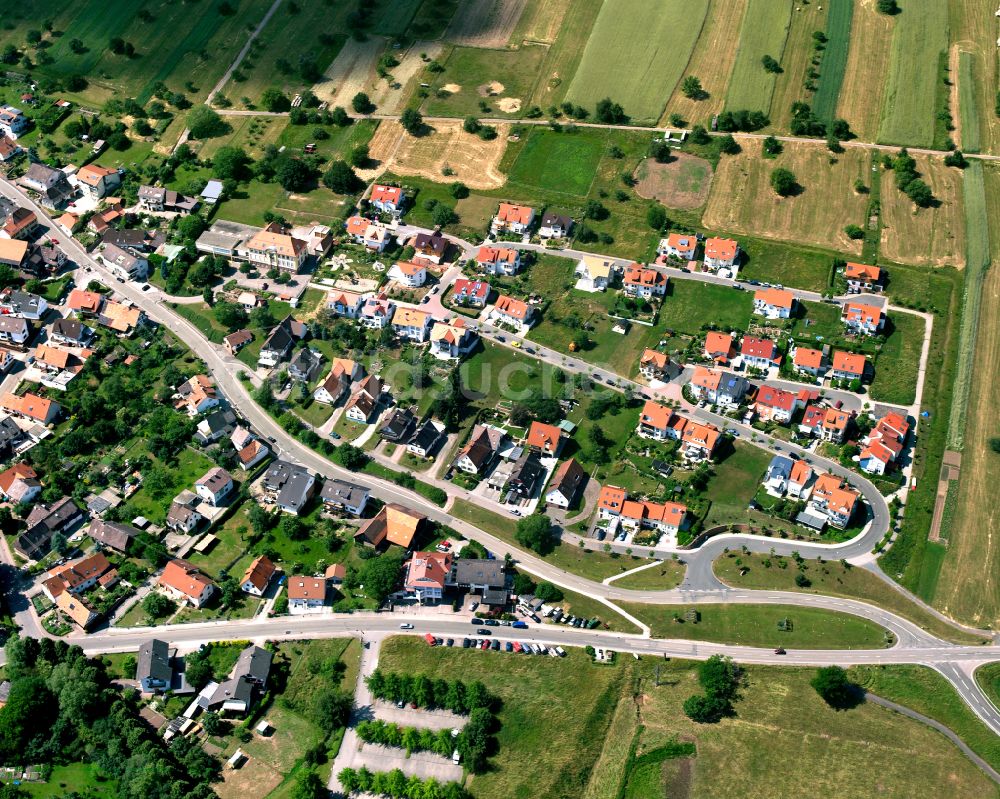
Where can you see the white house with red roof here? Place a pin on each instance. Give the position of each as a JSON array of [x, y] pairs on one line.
[[644, 282], [514, 313], [773, 303], [659, 422], [721, 254], [388, 199], [679, 245], [848, 366], [470, 293], [452, 340], [759, 353], [807, 361], [408, 274], [862, 318], [498, 260], [884, 444], [863, 277], [775, 404], [376, 312], [510, 218], [344, 303], [427, 575]]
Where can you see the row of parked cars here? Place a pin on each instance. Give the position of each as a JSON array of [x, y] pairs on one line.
[[521, 647]]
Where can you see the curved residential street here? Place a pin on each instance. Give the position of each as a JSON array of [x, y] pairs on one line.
[[913, 645]]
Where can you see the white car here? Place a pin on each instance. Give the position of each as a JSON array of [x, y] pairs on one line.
[[405, 626]]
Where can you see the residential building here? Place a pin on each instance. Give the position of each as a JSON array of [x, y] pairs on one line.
[[96, 181], [44, 260], [15, 331], [427, 575], [10, 437], [594, 272], [393, 524], [23, 304], [453, 340], [306, 594], [408, 274], [834, 500], [80, 575], [234, 342], [565, 484], [212, 192], [257, 576], [84, 303], [773, 303], [777, 475], [555, 226], [426, 439], [305, 365], [247, 682], [885, 443], [510, 218], [13, 252], [196, 395], [412, 324], [470, 293], [77, 609], [289, 486], [376, 313], [484, 577], [134, 240], [371, 235], [644, 283], [344, 497], [799, 480], [848, 366], [122, 317], [114, 535], [9, 149], [13, 122], [863, 278], [155, 199], [677, 245], [809, 361], [387, 199], [657, 422], [732, 390], [19, 483], [705, 383], [498, 260], [430, 246], [721, 254], [866, 320], [777, 405], [759, 353], [344, 303], [31, 407], [280, 341], [667, 518], [610, 501], [318, 238], [515, 313], [480, 450], [365, 401], [545, 438], [215, 486], [50, 185], [252, 453], [719, 347], [184, 583], [124, 264], [698, 441], [182, 517], [398, 426], [43, 522], [272, 248], [656, 365], [833, 425], [154, 671], [342, 374], [21, 224]]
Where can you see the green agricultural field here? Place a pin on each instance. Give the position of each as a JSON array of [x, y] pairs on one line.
[[920, 35], [831, 76], [967, 103], [765, 28], [757, 625], [473, 69], [394, 18], [558, 162], [689, 305], [565, 53], [636, 54]]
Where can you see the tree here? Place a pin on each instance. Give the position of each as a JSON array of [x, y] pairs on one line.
[[198, 669], [360, 156], [783, 181], [692, 88], [157, 606], [854, 232], [920, 193], [294, 174], [771, 65], [956, 159], [31, 709], [331, 708], [833, 144], [213, 723], [308, 785], [381, 574], [362, 104], [699, 135], [547, 592], [802, 581], [443, 215], [204, 123], [341, 179], [339, 117], [704, 709], [351, 457], [274, 100], [231, 163], [471, 125], [729, 145], [832, 684], [610, 113], [412, 121], [230, 315], [535, 532], [656, 217], [889, 7]]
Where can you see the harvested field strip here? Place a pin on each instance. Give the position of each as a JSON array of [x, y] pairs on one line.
[[967, 108], [920, 36], [711, 62], [860, 101], [485, 23], [977, 248], [637, 55], [765, 28], [564, 56], [831, 72]]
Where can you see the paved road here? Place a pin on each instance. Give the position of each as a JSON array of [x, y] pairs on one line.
[[914, 645]]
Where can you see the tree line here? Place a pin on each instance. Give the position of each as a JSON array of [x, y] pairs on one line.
[[422, 691], [396, 785]]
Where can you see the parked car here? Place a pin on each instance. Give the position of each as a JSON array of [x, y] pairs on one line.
[[405, 626], [484, 631]]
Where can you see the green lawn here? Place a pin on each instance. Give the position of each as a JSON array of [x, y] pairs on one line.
[[662, 577], [190, 465], [81, 778], [557, 162], [636, 54], [897, 365], [757, 625], [690, 306], [764, 30], [230, 547], [831, 578], [473, 68], [787, 264], [553, 719]]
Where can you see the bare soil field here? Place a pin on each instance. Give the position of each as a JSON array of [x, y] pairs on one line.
[[926, 236], [485, 23], [390, 96], [816, 215], [683, 183], [860, 101], [711, 62], [472, 160], [352, 71]]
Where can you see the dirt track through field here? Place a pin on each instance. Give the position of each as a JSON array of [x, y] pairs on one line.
[[352, 71], [472, 160], [485, 23]]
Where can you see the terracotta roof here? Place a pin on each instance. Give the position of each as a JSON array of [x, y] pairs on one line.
[[493, 255], [721, 249], [682, 242], [357, 225], [779, 298], [185, 578], [671, 513], [655, 415], [250, 451], [831, 489], [511, 307], [706, 378], [392, 194], [19, 473], [30, 405], [122, 318], [612, 498], [807, 358], [865, 272], [771, 397], [759, 348], [636, 275], [860, 312], [259, 572], [515, 213], [658, 359], [479, 289], [303, 588], [92, 174], [409, 268], [704, 435], [428, 569], [849, 362], [719, 346], [13, 250], [543, 436], [801, 473], [53, 356], [271, 239], [410, 317], [80, 300]]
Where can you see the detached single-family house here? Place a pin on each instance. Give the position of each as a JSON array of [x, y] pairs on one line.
[[832, 499], [655, 365], [481, 449], [305, 365], [79, 575], [97, 181], [430, 246], [864, 319], [453, 340], [289, 486], [610, 502], [658, 422], [124, 264], [214, 486], [412, 324], [719, 347], [114, 535], [344, 303], [545, 438], [427, 575], [863, 278], [426, 438], [364, 402], [31, 407], [153, 670], [555, 226], [23, 304], [732, 390], [341, 496], [565, 484], [698, 441], [197, 395], [84, 303], [155, 199], [510, 218], [306, 594], [498, 260], [778, 473], [406, 273], [594, 272], [644, 283], [679, 245], [515, 313], [799, 480], [773, 303], [666, 518], [50, 185], [387, 199], [808, 361], [21, 224], [234, 342], [759, 353], [13, 122], [721, 254], [848, 366], [470, 293], [184, 582], [252, 453], [775, 404], [394, 524], [258, 576], [885, 443], [342, 374], [13, 252], [19, 483], [376, 312], [280, 341], [182, 516], [9, 148], [705, 383], [14, 331]]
